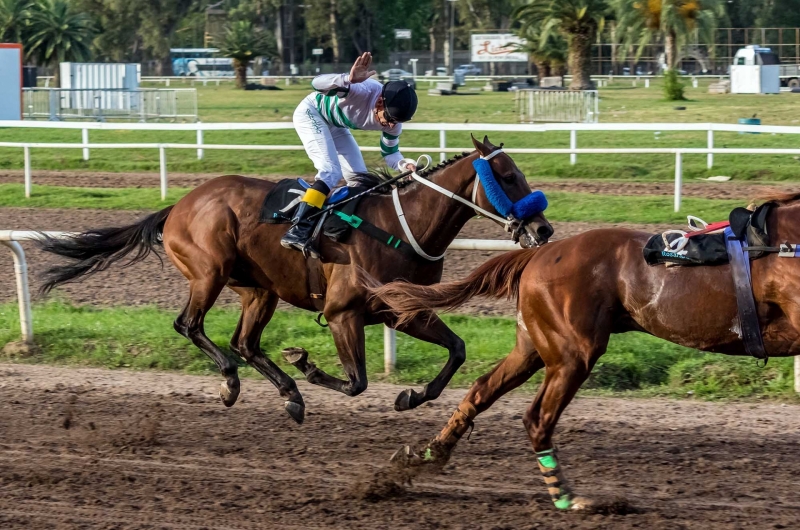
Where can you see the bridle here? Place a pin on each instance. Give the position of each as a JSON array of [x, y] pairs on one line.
[[511, 224]]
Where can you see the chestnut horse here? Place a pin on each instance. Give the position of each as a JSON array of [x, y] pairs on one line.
[[573, 294], [214, 238]]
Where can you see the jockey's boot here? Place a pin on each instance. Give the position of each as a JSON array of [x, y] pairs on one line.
[[302, 227]]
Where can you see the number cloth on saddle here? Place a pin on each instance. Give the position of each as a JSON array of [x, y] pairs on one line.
[[702, 247], [280, 204]]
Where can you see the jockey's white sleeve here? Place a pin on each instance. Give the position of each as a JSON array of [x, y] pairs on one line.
[[332, 84]]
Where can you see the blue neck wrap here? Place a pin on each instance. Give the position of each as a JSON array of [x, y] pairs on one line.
[[523, 209]]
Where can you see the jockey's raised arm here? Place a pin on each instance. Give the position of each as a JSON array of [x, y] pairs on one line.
[[323, 120]]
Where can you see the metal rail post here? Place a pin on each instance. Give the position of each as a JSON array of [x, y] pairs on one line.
[[389, 349], [85, 141], [23, 295], [26, 151], [162, 161], [199, 141], [710, 146], [573, 144], [678, 180]]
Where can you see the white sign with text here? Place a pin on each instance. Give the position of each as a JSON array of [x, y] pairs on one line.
[[496, 47]]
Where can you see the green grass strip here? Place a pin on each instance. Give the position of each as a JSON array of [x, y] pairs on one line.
[[143, 338], [563, 206]]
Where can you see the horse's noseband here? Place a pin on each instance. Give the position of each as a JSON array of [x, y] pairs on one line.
[[516, 212]]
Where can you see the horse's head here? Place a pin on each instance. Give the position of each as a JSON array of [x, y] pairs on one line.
[[504, 189]]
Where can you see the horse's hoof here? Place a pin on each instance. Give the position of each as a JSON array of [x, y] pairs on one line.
[[228, 395], [406, 400], [296, 410], [295, 355], [405, 457], [581, 503]]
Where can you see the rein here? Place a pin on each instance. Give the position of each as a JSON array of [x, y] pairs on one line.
[[507, 222]]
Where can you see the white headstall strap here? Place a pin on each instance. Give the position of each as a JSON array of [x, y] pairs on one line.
[[447, 193], [407, 230]]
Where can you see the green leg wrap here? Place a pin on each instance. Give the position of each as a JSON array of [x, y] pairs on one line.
[[554, 479]]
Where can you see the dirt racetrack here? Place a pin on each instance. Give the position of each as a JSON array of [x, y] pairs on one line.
[[95, 449]]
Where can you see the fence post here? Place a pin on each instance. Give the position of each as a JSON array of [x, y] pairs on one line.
[[389, 349], [162, 161], [797, 373], [710, 146], [199, 141], [23, 294], [85, 140], [573, 144], [647, 83], [28, 181], [442, 145], [678, 179]]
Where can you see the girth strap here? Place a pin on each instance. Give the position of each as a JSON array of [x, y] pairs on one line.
[[378, 234], [742, 282]]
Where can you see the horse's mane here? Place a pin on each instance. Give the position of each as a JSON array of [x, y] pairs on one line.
[[377, 176], [781, 199]]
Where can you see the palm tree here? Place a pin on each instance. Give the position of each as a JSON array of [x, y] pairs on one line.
[[58, 33], [243, 43], [578, 21], [549, 57], [677, 22], [14, 18]]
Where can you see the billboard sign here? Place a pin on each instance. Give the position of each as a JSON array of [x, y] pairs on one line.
[[496, 48], [402, 34]]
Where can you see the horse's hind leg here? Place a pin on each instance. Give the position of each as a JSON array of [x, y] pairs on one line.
[[258, 306], [190, 323], [432, 329], [508, 374]]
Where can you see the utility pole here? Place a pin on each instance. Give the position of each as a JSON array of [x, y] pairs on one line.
[[451, 37]]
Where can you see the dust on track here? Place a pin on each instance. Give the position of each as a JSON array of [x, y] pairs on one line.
[[157, 450]]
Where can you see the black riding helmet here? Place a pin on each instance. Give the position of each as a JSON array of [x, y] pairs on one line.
[[399, 101]]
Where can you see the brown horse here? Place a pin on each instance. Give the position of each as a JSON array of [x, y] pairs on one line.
[[573, 294], [214, 238]]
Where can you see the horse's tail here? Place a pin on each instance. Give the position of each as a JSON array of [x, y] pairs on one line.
[[499, 277], [95, 250]]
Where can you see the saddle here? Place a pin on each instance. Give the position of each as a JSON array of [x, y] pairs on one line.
[[280, 204], [737, 241], [705, 244]]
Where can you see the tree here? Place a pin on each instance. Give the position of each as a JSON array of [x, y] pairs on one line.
[[243, 43], [549, 56], [677, 22], [58, 33], [14, 19], [578, 21]]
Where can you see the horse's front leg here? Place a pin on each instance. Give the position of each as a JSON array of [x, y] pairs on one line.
[[431, 329], [347, 328]]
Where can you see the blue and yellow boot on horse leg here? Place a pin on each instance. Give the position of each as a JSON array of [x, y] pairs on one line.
[[557, 486], [302, 229]]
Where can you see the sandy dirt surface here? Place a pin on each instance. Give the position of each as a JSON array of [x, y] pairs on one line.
[[149, 283], [94, 449], [708, 190]]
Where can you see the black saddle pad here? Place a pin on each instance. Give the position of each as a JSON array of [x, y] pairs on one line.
[[280, 204], [705, 249]]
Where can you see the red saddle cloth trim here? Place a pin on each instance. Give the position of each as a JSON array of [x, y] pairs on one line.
[[712, 227]]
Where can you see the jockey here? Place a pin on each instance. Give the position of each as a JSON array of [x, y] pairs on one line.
[[323, 121]]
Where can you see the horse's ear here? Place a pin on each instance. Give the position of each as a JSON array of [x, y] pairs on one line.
[[488, 144], [481, 148]]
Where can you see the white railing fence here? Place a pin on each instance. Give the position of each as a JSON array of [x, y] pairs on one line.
[[573, 151], [10, 238]]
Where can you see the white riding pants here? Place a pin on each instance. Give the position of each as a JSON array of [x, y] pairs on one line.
[[333, 150]]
